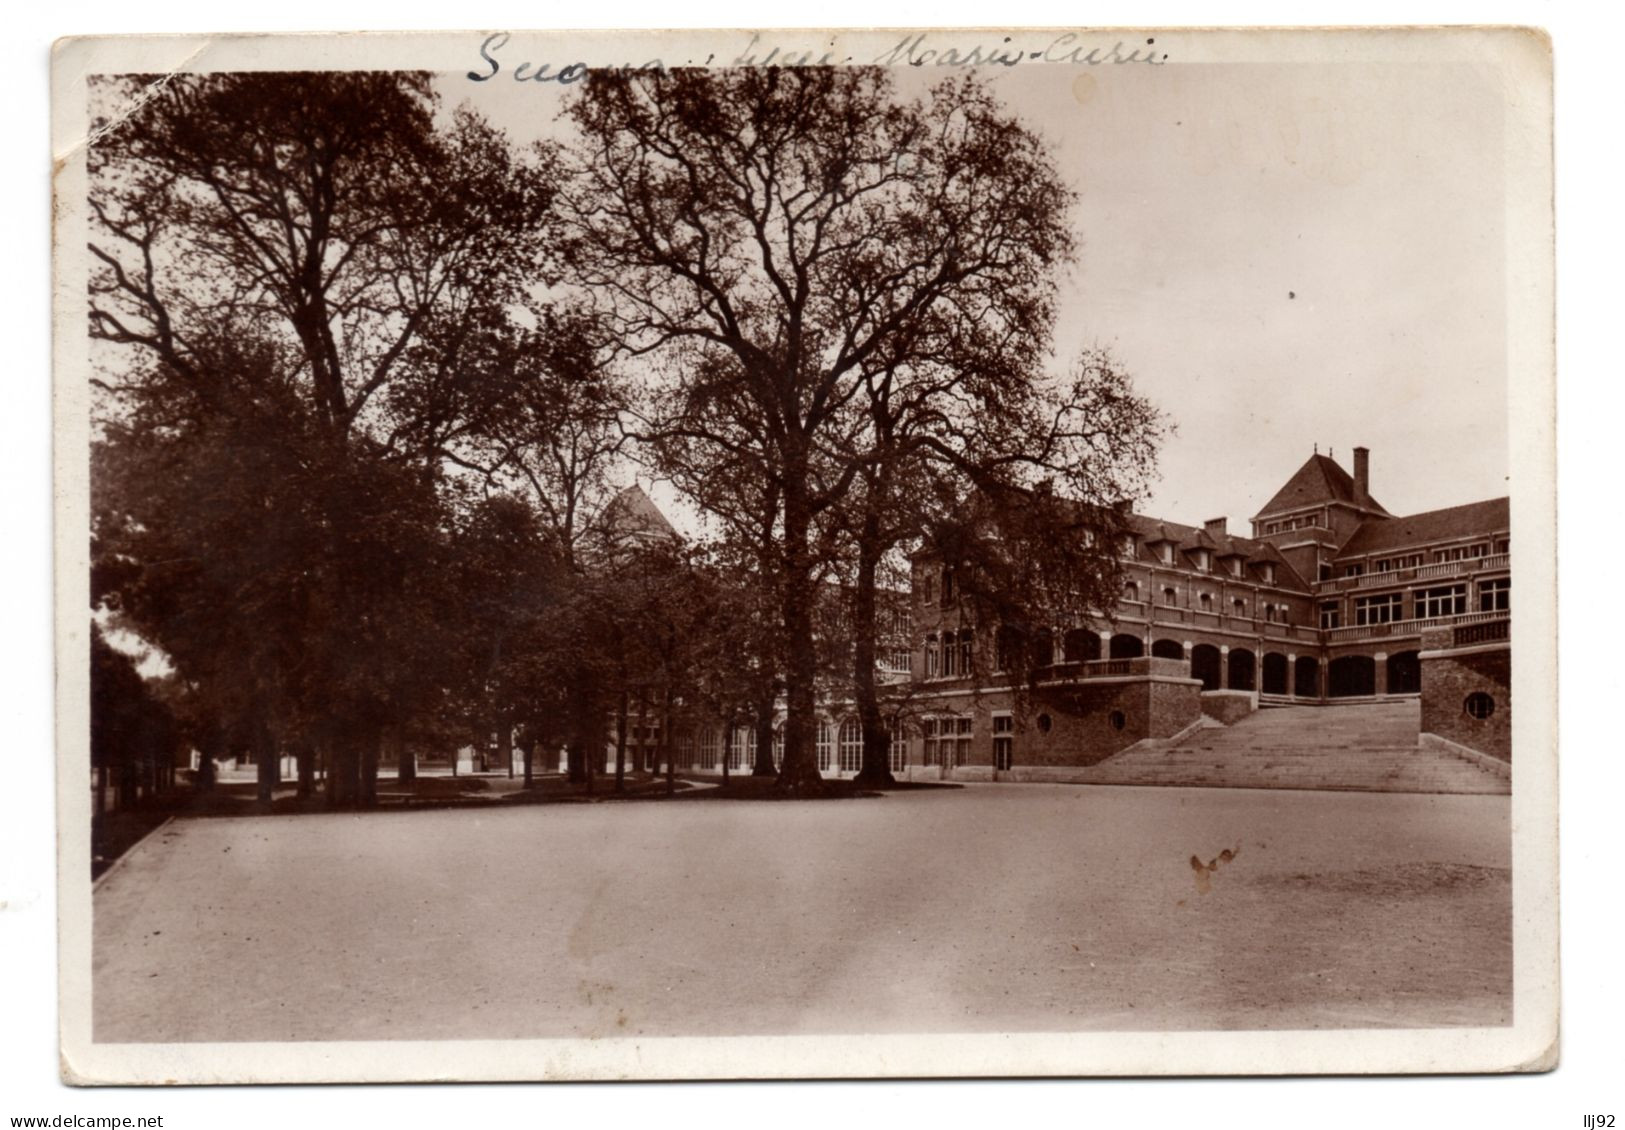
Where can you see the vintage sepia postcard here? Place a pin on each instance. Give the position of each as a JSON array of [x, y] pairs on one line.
[[802, 554]]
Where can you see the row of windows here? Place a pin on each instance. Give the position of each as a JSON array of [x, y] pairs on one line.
[[1494, 595], [1275, 613], [1302, 522], [950, 656], [1417, 560], [947, 740]]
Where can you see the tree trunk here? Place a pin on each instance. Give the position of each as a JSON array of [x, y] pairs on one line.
[[620, 744], [765, 702], [666, 748], [406, 759], [875, 772], [344, 771], [305, 758], [371, 747], [527, 752], [505, 739], [642, 751], [267, 762], [203, 781], [727, 747], [799, 772]]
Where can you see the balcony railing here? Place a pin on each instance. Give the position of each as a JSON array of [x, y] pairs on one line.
[[1408, 627], [1432, 572], [1490, 632]]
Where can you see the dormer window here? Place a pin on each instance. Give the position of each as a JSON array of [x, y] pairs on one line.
[[1204, 559], [1167, 552], [1267, 571], [1128, 545]]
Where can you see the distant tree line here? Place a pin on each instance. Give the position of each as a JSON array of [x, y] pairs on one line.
[[369, 376]]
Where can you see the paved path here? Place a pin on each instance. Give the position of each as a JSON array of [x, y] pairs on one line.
[[996, 907]]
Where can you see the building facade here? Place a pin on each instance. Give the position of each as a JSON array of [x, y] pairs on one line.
[[1330, 599]]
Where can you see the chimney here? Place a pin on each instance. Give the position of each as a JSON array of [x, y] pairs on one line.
[[1362, 469], [1216, 528]]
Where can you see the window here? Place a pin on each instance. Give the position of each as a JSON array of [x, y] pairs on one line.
[[826, 745], [1117, 719], [1267, 571], [928, 728], [1331, 614], [739, 751], [947, 587], [1131, 591], [1128, 546], [1239, 607], [1449, 600], [1463, 552], [1203, 559], [1391, 564], [931, 656], [685, 751], [1495, 595], [1167, 553], [1044, 723], [1004, 741], [1503, 545], [1325, 571], [949, 653], [965, 637], [1355, 570], [962, 736], [1006, 649], [899, 751], [1479, 705], [851, 746], [1235, 566], [709, 741], [928, 587], [1170, 596], [1269, 613], [778, 745], [1384, 609]]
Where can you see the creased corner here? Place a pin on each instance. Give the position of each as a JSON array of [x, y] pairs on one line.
[[90, 137]]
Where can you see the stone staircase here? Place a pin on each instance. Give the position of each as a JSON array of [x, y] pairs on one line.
[[1369, 747]]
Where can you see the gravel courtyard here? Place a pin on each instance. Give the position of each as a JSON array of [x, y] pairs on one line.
[[993, 907]]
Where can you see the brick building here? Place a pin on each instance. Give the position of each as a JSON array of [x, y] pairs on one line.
[[1331, 598]]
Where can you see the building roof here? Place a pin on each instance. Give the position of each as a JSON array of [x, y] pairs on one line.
[[633, 513], [1320, 480], [1150, 530], [1475, 518]]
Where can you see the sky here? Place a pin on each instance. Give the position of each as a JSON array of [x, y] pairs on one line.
[[1284, 256]]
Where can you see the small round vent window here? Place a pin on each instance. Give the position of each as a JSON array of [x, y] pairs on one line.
[[1044, 723], [1479, 705], [1118, 719]]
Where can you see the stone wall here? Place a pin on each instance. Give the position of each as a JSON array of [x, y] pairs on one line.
[[1091, 721], [1449, 676], [1228, 707]]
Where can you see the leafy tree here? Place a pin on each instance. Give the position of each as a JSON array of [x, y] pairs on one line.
[[295, 276], [770, 238]]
